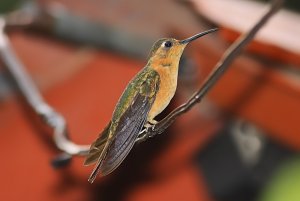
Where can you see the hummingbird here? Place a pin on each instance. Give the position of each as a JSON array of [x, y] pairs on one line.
[[146, 96]]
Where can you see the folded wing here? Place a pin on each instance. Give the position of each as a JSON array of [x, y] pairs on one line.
[[110, 152]]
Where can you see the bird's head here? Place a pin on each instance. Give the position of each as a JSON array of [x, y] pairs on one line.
[[166, 52]]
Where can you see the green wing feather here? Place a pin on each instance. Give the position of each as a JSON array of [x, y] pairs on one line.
[[129, 117]]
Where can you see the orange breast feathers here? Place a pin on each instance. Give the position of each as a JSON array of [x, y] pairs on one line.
[[167, 88]]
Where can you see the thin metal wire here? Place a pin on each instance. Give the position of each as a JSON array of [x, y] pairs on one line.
[[231, 53]]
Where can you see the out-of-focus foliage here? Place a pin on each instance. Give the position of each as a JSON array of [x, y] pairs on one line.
[[285, 186], [7, 5]]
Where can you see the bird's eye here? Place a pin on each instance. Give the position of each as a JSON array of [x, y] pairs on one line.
[[168, 44]]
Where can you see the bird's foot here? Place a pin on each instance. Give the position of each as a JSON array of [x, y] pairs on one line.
[[150, 124], [144, 134]]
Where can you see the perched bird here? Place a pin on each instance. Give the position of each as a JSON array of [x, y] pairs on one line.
[[146, 95]]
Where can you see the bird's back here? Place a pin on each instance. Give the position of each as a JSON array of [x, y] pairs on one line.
[[130, 91]]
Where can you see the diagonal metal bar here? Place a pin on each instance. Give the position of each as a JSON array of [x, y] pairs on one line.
[[232, 52]]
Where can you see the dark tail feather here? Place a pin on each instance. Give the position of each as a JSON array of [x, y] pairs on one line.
[[98, 152], [97, 147], [96, 170]]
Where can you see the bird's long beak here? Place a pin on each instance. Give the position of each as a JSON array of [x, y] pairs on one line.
[[186, 41]]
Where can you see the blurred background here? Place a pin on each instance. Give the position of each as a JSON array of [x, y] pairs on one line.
[[240, 144]]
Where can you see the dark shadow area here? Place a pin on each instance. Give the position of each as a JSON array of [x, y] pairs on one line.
[[228, 177]]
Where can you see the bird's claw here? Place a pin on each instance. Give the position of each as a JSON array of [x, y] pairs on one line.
[[145, 134]]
